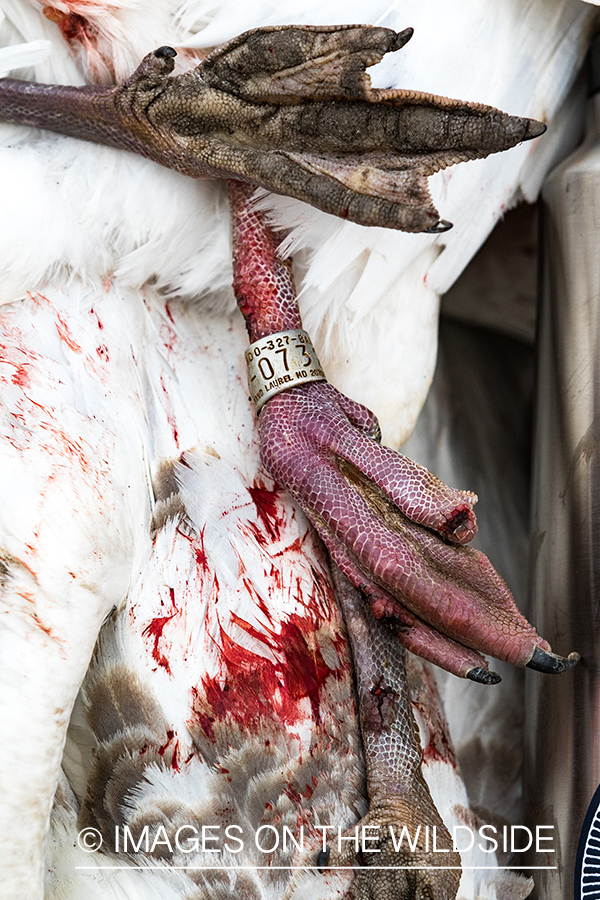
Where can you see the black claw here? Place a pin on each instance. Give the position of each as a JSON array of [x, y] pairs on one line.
[[550, 663], [534, 129], [402, 38], [440, 227], [482, 676], [165, 52], [323, 859]]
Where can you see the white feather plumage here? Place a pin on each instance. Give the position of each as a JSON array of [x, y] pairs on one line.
[[96, 393], [359, 284]]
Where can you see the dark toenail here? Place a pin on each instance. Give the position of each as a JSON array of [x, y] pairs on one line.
[[323, 859], [550, 663], [165, 52], [482, 676], [402, 38], [439, 227]]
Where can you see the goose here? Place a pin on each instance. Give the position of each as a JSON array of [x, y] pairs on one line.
[[85, 530]]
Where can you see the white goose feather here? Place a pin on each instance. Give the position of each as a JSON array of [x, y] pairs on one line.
[[122, 351]]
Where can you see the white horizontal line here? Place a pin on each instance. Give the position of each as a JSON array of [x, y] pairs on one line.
[[313, 868]]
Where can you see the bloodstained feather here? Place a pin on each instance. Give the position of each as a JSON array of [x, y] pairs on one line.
[[21, 377], [169, 411], [174, 763], [168, 312], [198, 549], [155, 631], [66, 336], [73, 26], [268, 507], [252, 687]]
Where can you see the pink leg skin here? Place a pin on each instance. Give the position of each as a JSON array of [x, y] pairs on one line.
[[396, 531], [410, 631]]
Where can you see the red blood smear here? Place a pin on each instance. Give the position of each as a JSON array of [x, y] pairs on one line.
[[45, 628], [255, 688], [21, 377], [73, 26], [169, 411], [275, 575], [299, 797], [438, 749], [269, 509], [66, 336], [174, 750], [200, 552], [198, 549], [155, 630]]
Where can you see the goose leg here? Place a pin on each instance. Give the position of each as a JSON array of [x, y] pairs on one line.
[[394, 529], [398, 795], [293, 109], [290, 108]]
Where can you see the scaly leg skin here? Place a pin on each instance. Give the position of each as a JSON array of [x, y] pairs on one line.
[[293, 109], [398, 795], [394, 529], [290, 108]]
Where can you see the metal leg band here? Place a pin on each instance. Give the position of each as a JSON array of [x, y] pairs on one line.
[[281, 361]]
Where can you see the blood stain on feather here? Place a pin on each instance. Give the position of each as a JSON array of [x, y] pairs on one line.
[[65, 335], [427, 709], [269, 509], [154, 631], [21, 376], [252, 687], [73, 26], [169, 411], [172, 748], [274, 578], [169, 313], [196, 542], [168, 335]]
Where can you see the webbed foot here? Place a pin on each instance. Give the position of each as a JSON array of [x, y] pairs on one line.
[[290, 108], [397, 533], [403, 858], [404, 848], [394, 529]]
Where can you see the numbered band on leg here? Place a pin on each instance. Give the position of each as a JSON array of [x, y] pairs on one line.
[[281, 361]]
